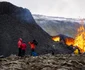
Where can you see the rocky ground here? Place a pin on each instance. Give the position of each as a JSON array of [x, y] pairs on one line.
[[44, 62]]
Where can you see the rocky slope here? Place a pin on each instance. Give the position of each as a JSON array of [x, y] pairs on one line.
[[44, 62], [22, 14], [12, 27]]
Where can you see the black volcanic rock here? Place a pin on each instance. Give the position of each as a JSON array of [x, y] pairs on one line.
[[13, 25], [44, 62], [11, 30], [20, 13], [7, 8]]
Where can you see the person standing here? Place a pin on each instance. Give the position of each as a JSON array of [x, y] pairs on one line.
[[32, 46], [19, 46], [23, 49]]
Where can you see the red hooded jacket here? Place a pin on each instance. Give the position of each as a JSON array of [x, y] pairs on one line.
[[23, 46]]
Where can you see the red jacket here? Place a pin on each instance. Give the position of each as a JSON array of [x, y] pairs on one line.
[[32, 45], [19, 43], [23, 46]]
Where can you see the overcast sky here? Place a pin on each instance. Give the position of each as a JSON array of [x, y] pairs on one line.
[[61, 8]]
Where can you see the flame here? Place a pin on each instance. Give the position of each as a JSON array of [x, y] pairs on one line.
[[57, 38], [76, 51], [69, 41], [80, 38]]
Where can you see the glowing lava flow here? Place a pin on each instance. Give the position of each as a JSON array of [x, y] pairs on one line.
[[69, 41], [57, 38]]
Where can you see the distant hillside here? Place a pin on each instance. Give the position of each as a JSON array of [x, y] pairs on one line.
[[58, 25]]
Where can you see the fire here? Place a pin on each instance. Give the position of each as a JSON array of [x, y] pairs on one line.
[[57, 38], [69, 41], [80, 39]]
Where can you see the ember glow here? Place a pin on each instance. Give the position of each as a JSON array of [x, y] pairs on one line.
[[69, 41], [80, 38], [57, 38]]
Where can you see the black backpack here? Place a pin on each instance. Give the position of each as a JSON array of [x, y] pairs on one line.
[[35, 42]]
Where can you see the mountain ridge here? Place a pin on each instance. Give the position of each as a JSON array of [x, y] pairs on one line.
[[58, 26]]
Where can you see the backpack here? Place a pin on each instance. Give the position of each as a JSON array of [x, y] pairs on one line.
[[35, 42], [34, 54]]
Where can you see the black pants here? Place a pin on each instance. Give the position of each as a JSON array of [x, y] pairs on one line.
[[32, 50], [23, 53], [19, 51]]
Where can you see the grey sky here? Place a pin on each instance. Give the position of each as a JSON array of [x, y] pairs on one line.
[[61, 8]]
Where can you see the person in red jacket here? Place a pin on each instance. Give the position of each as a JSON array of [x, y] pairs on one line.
[[32, 45], [19, 46], [23, 47]]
